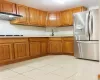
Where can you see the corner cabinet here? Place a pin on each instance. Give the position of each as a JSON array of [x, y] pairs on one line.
[[22, 10], [6, 52], [7, 7]]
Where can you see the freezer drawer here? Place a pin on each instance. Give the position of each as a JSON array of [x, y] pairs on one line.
[[87, 49]]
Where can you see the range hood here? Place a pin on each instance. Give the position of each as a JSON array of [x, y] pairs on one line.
[[8, 16]]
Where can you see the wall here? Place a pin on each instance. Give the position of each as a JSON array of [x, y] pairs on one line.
[[60, 31], [7, 28], [99, 29]]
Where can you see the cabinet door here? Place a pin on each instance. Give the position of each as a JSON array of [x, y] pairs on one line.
[[55, 47], [65, 18], [44, 48], [70, 17], [68, 47], [8, 7], [33, 16], [34, 49], [21, 50], [6, 52], [52, 20], [58, 19], [79, 9], [22, 10], [43, 16]]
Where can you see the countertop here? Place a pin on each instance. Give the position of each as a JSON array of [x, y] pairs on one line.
[[33, 36]]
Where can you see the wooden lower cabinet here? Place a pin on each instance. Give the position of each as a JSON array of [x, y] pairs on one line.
[[16, 49], [55, 47], [44, 47], [21, 50], [68, 47], [35, 49], [6, 52]]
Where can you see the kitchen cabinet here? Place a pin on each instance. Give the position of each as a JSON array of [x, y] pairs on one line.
[[51, 20], [79, 9], [22, 10], [68, 46], [64, 19], [21, 50], [6, 52], [6, 6], [42, 18], [44, 47], [13, 50], [35, 49], [58, 19], [38, 46], [33, 16], [67, 18], [55, 46], [67, 15], [70, 17]]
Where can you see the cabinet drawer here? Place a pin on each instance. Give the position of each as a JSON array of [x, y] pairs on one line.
[[38, 39], [13, 40], [68, 38], [55, 38]]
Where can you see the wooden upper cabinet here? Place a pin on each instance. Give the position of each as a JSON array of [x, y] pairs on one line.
[[79, 9], [64, 18], [33, 16], [7, 7], [21, 50], [6, 52], [22, 10], [52, 20], [67, 18], [43, 18], [58, 14]]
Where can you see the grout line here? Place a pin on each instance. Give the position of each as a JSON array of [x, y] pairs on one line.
[[70, 76]]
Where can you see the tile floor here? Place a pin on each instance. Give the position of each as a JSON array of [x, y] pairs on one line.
[[54, 67]]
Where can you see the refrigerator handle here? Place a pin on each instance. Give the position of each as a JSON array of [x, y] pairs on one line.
[[91, 24], [87, 24]]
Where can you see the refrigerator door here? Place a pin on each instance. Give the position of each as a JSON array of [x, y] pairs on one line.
[[81, 23], [94, 24], [87, 49]]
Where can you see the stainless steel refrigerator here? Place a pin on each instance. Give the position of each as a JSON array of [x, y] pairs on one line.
[[86, 34]]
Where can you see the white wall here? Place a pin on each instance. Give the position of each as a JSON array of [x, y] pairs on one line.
[[7, 28], [60, 31]]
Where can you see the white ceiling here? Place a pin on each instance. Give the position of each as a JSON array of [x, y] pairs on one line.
[[56, 5]]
